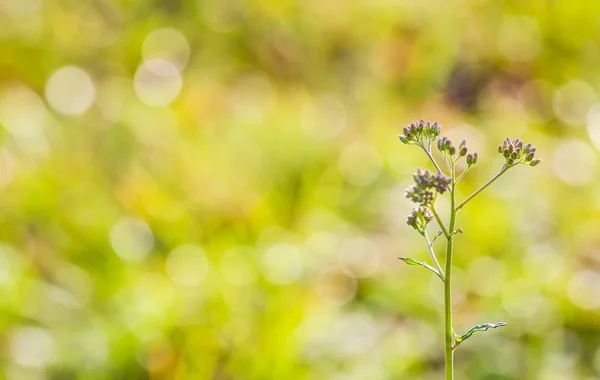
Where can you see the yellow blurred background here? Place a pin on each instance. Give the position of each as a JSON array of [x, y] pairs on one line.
[[215, 189]]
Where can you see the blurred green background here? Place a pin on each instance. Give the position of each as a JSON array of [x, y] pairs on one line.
[[215, 189]]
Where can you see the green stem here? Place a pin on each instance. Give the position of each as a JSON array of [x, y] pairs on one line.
[[433, 258], [439, 221], [463, 174], [491, 180], [447, 284], [428, 152]]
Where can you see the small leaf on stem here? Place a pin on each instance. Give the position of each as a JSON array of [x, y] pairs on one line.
[[474, 329], [411, 261]]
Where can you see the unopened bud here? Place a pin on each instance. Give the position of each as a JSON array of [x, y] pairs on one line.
[[463, 151], [403, 139], [452, 150], [436, 129], [472, 158], [535, 162]]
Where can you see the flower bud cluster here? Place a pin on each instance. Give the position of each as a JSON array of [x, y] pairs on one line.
[[417, 130], [472, 158], [425, 185], [445, 146], [516, 152], [419, 218]]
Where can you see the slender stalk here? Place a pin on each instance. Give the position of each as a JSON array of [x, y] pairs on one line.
[[463, 174], [491, 180], [433, 258], [428, 152], [447, 284], [439, 221]]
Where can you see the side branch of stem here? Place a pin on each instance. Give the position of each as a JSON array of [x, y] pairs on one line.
[[439, 222], [433, 257], [476, 192], [433, 161]]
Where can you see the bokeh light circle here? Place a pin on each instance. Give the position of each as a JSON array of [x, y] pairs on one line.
[[22, 112], [282, 264], [575, 162], [70, 91], [157, 82], [131, 239], [572, 102], [168, 44], [187, 265], [584, 289], [32, 347]]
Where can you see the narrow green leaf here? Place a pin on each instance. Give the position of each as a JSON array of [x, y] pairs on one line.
[[411, 261], [474, 329]]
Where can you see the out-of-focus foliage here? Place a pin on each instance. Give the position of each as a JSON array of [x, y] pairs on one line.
[[214, 189]]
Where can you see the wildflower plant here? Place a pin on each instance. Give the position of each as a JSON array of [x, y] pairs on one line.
[[428, 186]]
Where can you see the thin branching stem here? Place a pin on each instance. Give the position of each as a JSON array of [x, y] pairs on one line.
[[463, 173], [433, 161], [433, 257], [439, 221], [489, 182]]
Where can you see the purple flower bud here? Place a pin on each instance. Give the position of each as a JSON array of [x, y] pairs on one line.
[[452, 150], [463, 151], [436, 129], [462, 143], [500, 150], [440, 145], [535, 162], [506, 153]]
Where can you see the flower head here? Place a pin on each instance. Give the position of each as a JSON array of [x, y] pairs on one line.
[[472, 158], [415, 132], [425, 186], [516, 152], [445, 145], [419, 218]]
